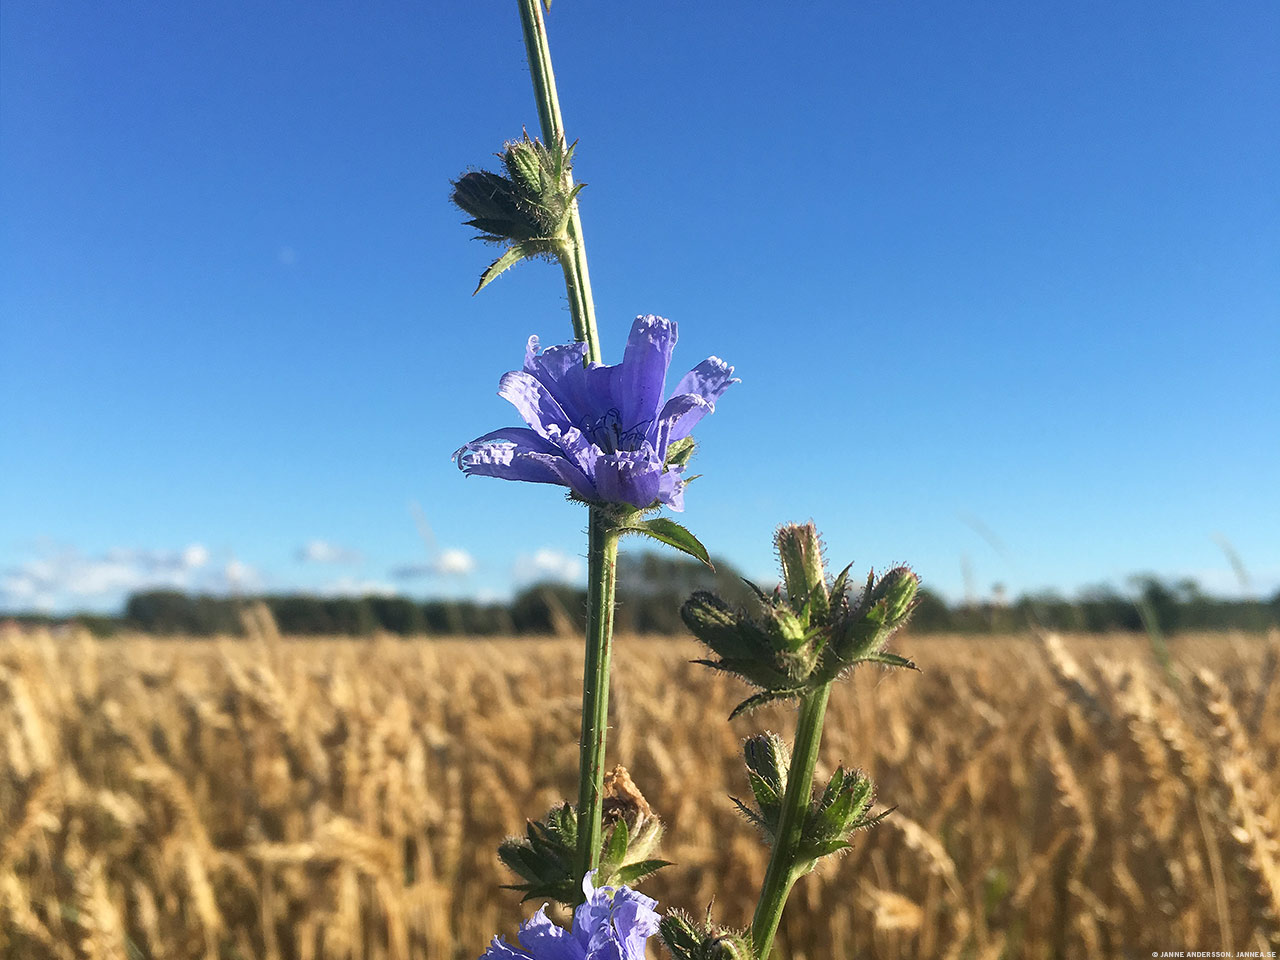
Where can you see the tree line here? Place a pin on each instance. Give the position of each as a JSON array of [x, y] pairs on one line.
[[651, 589]]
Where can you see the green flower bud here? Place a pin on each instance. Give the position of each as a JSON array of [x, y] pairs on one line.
[[682, 939], [545, 858], [895, 594], [836, 815], [528, 210], [689, 941], [812, 636], [768, 760], [803, 570], [729, 947]]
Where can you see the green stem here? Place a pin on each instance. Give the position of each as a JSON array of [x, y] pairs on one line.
[[574, 259], [602, 559], [783, 870], [602, 553]]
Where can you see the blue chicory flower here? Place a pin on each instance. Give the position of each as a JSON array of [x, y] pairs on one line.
[[613, 924], [602, 431]]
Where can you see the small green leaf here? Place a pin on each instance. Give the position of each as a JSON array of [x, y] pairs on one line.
[[889, 659], [505, 262], [679, 452], [760, 699], [634, 872], [673, 535], [616, 849]]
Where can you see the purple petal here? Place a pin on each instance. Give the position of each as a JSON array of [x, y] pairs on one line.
[[507, 462], [560, 370], [707, 381], [635, 921], [671, 490], [501, 950], [679, 416], [630, 476], [580, 451], [526, 441], [639, 387], [546, 941], [539, 409], [570, 475]]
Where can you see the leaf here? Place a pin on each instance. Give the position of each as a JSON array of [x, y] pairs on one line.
[[813, 850], [616, 848], [760, 699], [890, 659], [502, 264], [672, 534], [640, 869], [679, 452], [753, 818]]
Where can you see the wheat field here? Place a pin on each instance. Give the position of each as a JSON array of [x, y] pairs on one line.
[[342, 800]]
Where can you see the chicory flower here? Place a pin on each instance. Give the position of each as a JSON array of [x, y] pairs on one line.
[[613, 924], [602, 431]]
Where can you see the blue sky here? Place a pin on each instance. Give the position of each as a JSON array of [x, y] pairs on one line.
[[1001, 281]]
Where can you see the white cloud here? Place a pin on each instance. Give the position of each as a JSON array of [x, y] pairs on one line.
[[547, 564], [452, 562], [71, 576], [322, 551], [354, 587], [195, 556], [239, 577]]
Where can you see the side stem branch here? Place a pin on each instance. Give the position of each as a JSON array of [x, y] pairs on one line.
[[783, 870]]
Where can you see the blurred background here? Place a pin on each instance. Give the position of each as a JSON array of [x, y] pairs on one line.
[[1001, 285]]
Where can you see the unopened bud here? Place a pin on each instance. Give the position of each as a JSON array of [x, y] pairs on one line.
[[897, 590], [803, 572]]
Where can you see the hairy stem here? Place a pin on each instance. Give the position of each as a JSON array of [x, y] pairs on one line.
[[602, 554], [602, 560], [574, 258], [783, 870]]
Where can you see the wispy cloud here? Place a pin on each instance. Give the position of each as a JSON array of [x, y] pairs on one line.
[[356, 587], [69, 575], [322, 551], [452, 562], [547, 564]]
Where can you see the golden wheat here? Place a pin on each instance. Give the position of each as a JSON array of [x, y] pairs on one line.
[[342, 800]]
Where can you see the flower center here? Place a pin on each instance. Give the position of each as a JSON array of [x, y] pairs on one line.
[[608, 434]]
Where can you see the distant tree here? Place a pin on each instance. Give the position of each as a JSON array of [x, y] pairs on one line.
[[443, 617], [350, 616], [932, 613], [1160, 601], [397, 615], [164, 612], [300, 614], [549, 608], [99, 625]]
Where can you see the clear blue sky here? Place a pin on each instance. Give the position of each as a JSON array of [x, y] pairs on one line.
[[1001, 281]]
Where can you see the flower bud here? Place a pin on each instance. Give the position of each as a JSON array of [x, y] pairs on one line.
[[520, 157], [528, 210], [686, 940], [803, 571], [768, 761], [729, 947], [896, 592]]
